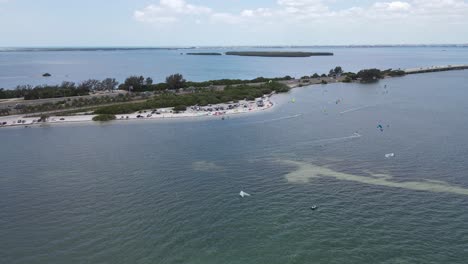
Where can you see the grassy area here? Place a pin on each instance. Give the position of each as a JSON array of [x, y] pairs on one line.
[[278, 53]]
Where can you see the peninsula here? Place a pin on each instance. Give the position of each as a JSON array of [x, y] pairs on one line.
[[139, 98]]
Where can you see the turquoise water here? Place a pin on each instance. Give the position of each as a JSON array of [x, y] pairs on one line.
[[168, 191], [27, 67]]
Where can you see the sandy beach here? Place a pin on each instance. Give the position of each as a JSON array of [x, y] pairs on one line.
[[219, 111]]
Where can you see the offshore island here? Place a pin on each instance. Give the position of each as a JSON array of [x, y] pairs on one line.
[[275, 54], [288, 54]]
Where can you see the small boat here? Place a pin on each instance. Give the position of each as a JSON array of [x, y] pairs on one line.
[[314, 207]]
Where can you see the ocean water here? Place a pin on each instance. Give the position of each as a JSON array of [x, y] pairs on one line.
[[20, 67], [168, 191]]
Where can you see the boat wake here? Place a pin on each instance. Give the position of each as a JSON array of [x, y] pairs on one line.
[[273, 120], [332, 140], [355, 109]]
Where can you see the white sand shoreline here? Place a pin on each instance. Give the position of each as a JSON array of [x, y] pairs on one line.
[[241, 108]]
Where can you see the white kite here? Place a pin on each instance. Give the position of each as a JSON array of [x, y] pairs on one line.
[[243, 194]]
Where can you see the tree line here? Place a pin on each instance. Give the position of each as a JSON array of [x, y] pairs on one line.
[[65, 89], [131, 84], [173, 82], [177, 81]]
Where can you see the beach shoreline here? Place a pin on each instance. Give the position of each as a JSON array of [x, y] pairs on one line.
[[192, 113]]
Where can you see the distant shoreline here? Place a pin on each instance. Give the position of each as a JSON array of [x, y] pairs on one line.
[[136, 48], [292, 54]]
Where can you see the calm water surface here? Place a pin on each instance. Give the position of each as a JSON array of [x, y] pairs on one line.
[[167, 192], [27, 67]]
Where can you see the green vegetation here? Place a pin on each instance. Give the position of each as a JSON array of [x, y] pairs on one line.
[[76, 103], [200, 97], [370, 75], [278, 53], [394, 73], [350, 75], [4, 111], [175, 81], [65, 89], [135, 84], [205, 53], [235, 81], [132, 84], [335, 72], [315, 75], [180, 108], [347, 79], [104, 118], [323, 82], [43, 118]]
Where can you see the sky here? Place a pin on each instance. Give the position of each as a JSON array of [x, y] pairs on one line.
[[32, 23]]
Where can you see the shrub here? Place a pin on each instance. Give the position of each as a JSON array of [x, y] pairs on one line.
[[347, 79], [370, 75], [396, 73], [175, 81], [180, 108], [104, 117], [324, 82]]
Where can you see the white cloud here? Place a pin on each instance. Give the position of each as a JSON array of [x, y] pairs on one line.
[[226, 18], [294, 10], [291, 18], [259, 12], [393, 6], [168, 11]]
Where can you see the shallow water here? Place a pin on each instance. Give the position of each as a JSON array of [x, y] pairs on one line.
[[27, 67], [168, 192]]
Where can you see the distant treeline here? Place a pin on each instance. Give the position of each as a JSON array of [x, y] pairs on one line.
[[205, 53], [364, 76], [176, 81], [44, 91], [132, 84], [65, 89], [372, 75], [278, 53], [200, 97]]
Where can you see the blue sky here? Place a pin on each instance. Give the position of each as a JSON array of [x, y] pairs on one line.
[[231, 22]]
